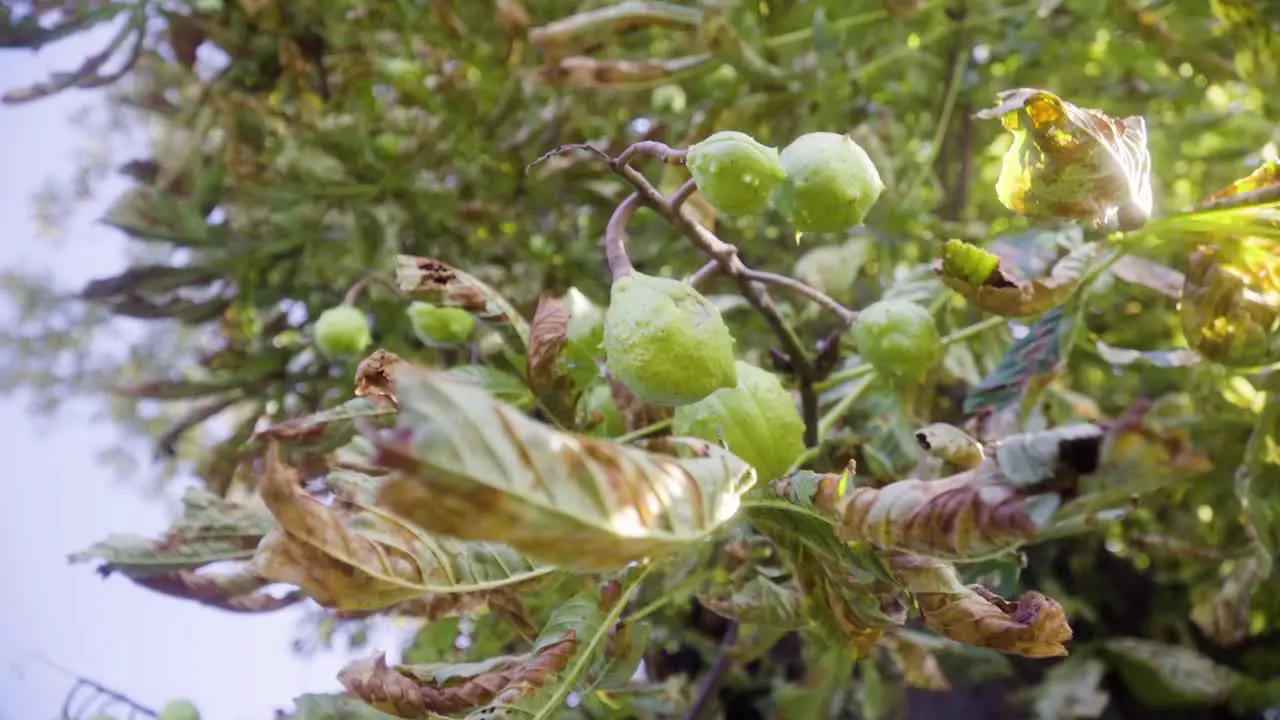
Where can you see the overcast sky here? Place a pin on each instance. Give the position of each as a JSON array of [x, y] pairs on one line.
[[57, 500]]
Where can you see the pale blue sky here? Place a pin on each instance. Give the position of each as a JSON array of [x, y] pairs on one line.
[[57, 499]]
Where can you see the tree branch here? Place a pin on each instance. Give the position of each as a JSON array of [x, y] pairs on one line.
[[706, 698], [615, 238], [749, 285]]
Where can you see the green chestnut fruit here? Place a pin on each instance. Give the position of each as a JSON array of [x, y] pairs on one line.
[[440, 326], [757, 419], [898, 338], [342, 331], [734, 173], [179, 710], [666, 342], [831, 183]]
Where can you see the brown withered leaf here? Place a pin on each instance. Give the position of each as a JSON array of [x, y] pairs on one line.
[[441, 284], [951, 444], [1152, 275], [1003, 294], [414, 692], [547, 334], [352, 557], [1072, 163], [473, 468], [636, 413], [973, 514], [236, 592], [325, 430], [1032, 626], [375, 375]]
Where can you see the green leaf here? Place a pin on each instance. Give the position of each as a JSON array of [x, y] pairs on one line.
[[1072, 690], [1029, 359], [757, 601], [476, 469], [501, 385], [1162, 675]]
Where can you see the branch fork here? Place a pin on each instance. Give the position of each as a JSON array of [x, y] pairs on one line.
[[723, 256]]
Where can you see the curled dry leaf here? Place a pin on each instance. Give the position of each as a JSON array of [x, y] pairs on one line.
[[236, 592], [431, 690], [375, 375], [1072, 163], [951, 444], [1265, 178], [440, 284], [472, 468], [973, 514], [1032, 626], [325, 430], [547, 334], [1003, 294], [352, 557], [1230, 306]]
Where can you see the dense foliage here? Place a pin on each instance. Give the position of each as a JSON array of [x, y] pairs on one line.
[[964, 374]]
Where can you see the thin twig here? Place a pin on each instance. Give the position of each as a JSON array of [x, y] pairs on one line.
[[684, 192], [615, 238], [357, 289], [750, 288], [1261, 196], [652, 148], [708, 691], [846, 315], [704, 273]]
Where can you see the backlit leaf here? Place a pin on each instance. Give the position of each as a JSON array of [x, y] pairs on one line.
[[473, 468], [1072, 163]]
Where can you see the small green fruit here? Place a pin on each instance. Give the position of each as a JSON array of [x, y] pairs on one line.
[[756, 417], [666, 342], [179, 710], [898, 338], [831, 183], [734, 172], [342, 331], [445, 326]]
